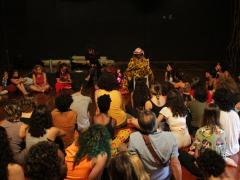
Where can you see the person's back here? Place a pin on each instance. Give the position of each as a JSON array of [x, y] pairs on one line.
[[230, 122], [157, 154], [166, 146], [115, 111], [31, 140], [83, 169], [80, 105], [197, 108], [65, 121], [12, 129]]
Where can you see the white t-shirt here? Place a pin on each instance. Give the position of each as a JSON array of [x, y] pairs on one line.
[[230, 122], [80, 105], [177, 126]]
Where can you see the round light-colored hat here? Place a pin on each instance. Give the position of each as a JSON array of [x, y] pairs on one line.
[[138, 51]]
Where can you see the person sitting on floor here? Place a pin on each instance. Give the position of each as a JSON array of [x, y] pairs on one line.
[[63, 78], [139, 97], [64, 118], [127, 165], [102, 118], [197, 105], [18, 82], [171, 74], [9, 169], [175, 113], [12, 124], [209, 136], [212, 165], [157, 149], [40, 83], [108, 85], [81, 99], [45, 161], [87, 157], [229, 119], [39, 128], [157, 101]]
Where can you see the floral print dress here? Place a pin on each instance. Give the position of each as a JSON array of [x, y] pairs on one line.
[[206, 139]]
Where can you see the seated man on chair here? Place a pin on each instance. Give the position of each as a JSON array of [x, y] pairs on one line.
[[138, 67]]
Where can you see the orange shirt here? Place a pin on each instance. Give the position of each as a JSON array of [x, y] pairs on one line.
[[80, 171], [65, 121]]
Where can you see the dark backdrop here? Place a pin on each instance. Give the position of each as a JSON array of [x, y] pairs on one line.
[[173, 30]]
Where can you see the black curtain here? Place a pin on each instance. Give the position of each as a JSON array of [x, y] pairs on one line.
[[233, 49]]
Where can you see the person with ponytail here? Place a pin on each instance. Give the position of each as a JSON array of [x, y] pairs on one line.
[[157, 101]]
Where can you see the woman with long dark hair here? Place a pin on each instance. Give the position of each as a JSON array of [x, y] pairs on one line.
[[86, 158], [9, 170], [157, 101], [40, 127], [175, 114], [139, 97], [63, 78]]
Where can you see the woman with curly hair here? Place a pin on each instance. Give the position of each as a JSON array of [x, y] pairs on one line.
[[12, 124], [9, 170], [64, 118], [175, 114], [40, 127], [211, 164], [229, 119], [45, 161], [108, 85], [102, 118], [87, 158], [39, 77]]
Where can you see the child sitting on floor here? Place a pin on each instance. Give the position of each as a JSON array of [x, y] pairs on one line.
[[40, 83]]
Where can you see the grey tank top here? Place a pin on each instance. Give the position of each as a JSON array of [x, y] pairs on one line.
[[30, 140]]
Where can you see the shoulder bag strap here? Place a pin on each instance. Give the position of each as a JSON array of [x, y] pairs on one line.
[[151, 150]]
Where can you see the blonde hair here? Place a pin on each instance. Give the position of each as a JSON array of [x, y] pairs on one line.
[[138, 167]]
